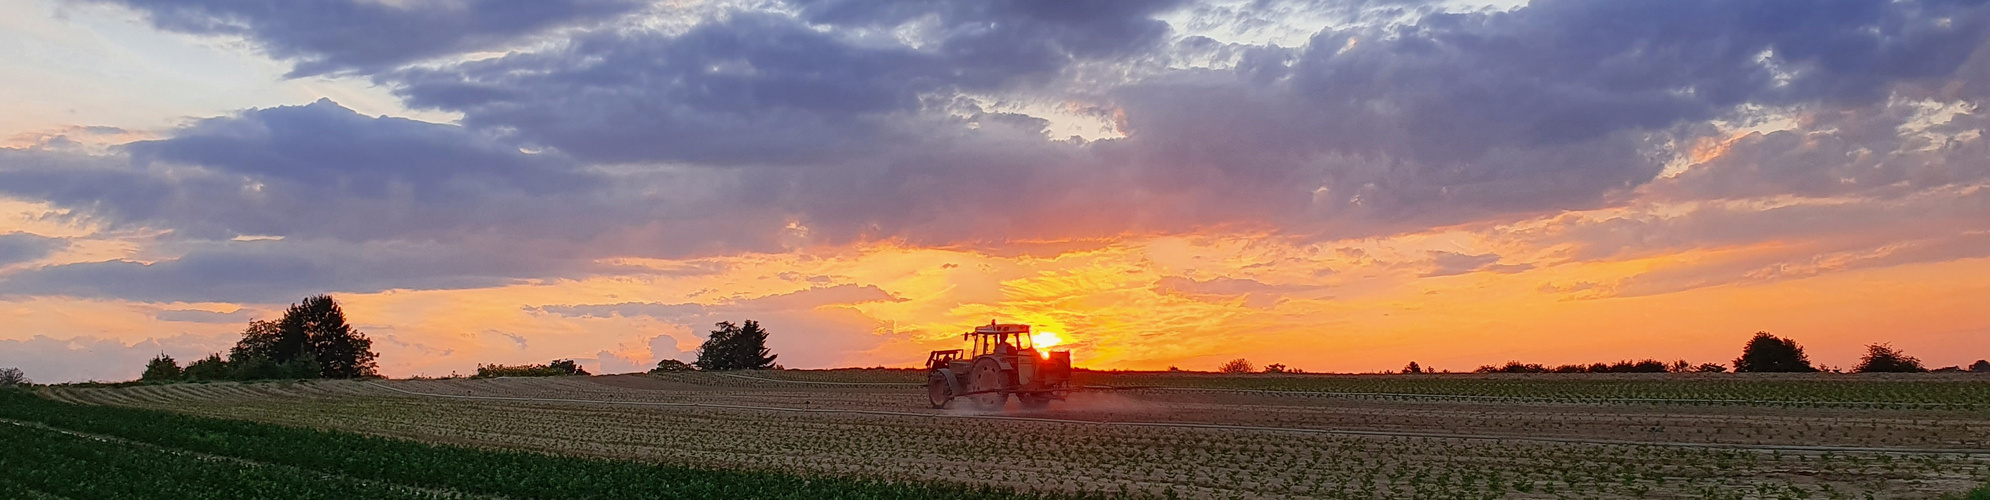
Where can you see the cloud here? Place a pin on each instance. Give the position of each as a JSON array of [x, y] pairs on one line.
[[610, 363], [199, 316], [800, 300], [17, 247], [326, 36], [76, 359], [1453, 263], [281, 271], [811, 327], [1256, 294]]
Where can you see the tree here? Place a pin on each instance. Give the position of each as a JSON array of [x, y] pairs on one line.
[[668, 365], [267, 340], [10, 377], [735, 347], [1275, 368], [338, 349], [211, 367], [1413, 368], [1981, 366], [161, 368], [1768, 353], [566, 367], [1883, 358], [1239, 365], [1710, 368]]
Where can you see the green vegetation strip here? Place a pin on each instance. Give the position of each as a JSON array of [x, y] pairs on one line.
[[167, 455]]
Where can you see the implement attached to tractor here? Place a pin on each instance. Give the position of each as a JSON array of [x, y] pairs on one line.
[[1003, 362]]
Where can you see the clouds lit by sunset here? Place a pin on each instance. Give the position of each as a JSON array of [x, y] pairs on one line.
[[1337, 186]]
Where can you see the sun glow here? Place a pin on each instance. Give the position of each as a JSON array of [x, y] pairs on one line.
[[1045, 339]]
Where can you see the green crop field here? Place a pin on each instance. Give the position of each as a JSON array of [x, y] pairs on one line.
[[61, 450], [1181, 435]]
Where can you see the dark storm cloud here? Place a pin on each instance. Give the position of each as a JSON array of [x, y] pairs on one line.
[[326, 36], [23, 247]]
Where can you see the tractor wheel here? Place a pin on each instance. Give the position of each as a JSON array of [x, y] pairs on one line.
[[1033, 401], [988, 379], [938, 391]]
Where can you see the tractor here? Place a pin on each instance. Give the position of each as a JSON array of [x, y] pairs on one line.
[[1003, 362]]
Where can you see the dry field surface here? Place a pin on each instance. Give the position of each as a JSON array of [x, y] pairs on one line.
[[1205, 436]]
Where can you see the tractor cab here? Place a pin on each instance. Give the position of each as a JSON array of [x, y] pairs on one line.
[[1003, 361]]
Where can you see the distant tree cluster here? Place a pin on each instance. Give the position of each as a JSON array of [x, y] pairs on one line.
[[1639, 366], [311, 340], [554, 368], [735, 347]]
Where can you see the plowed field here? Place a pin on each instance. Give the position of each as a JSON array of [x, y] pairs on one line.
[[1204, 436]]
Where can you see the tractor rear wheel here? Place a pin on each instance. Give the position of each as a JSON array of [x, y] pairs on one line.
[[988, 385], [938, 391]]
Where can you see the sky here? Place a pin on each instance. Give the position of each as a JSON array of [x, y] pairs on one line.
[[1337, 186]]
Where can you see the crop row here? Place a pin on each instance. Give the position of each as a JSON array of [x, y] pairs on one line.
[[1964, 392]]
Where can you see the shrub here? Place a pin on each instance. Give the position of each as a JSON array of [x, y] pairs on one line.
[[672, 365], [162, 368], [556, 368], [1239, 365], [1882, 358], [10, 377]]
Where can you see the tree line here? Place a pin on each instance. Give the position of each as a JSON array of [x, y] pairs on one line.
[[730, 346], [311, 340], [1764, 353]]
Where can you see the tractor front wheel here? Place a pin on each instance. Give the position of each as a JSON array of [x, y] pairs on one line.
[[938, 391]]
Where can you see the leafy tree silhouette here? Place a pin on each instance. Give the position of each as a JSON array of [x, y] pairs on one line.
[[1768, 353], [340, 351], [162, 368], [735, 347], [1882, 358], [1413, 368], [1981, 366]]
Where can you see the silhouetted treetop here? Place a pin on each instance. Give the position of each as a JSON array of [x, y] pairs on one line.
[[735, 347], [1769, 353], [1883, 358]]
